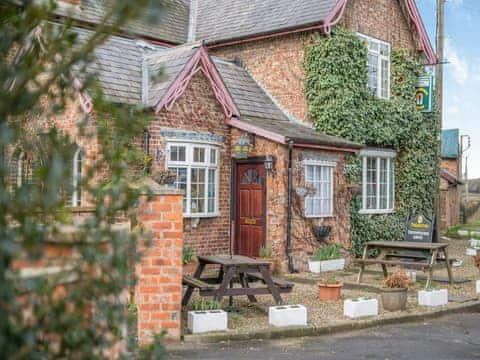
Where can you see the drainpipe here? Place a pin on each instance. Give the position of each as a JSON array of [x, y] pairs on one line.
[[289, 207]]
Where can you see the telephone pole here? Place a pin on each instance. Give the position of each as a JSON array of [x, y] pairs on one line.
[[439, 105]]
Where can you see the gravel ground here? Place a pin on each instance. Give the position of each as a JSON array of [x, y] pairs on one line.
[[255, 317]]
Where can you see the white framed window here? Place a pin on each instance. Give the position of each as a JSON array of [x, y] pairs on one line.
[[77, 173], [319, 178], [196, 166], [378, 182], [378, 66]]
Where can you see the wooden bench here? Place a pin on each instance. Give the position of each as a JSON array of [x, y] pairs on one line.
[[188, 280], [421, 265], [283, 285]]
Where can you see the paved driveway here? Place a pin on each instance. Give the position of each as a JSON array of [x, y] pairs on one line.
[[452, 337]]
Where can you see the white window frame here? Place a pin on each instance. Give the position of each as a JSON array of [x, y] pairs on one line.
[[77, 174], [189, 164], [379, 155], [331, 166], [380, 57], [20, 161]]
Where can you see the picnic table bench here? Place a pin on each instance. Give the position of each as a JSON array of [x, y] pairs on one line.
[[387, 250], [239, 269]]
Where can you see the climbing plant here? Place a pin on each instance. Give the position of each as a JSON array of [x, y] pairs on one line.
[[340, 104]]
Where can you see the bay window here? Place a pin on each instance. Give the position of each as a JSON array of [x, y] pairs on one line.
[[196, 167], [319, 178], [378, 181]]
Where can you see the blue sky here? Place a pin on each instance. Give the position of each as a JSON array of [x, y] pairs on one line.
[[462, 76]]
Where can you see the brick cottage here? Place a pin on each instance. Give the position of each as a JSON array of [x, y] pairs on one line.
[[233, 78]]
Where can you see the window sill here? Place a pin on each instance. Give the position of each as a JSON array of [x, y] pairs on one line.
[[319, 216], [201, 216], [376, 212]]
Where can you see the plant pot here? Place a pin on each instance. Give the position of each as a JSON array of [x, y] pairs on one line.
[[189, 269], [321, 232], [206, 321], [287, 315], [394, 299], [317, 267], [472, 252], [329, 292]]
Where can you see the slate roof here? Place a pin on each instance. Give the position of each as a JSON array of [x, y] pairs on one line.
[[170, 62], [227, 20], [172, 25], [118, 65]]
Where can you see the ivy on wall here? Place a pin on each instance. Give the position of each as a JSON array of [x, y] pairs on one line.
[[340, 104]]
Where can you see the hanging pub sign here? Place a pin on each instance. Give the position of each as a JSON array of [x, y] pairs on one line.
[[419, 229], [424, 93]]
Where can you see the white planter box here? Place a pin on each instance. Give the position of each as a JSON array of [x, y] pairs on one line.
[[474, 233], [471, 252], [360, 307], [433, 297], [474, 243], [206, 321], [288, 315], [412, 275], [463, 232], [327, 265], [478, 286], [314, 266]]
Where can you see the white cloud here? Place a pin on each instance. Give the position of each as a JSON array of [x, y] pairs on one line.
[[458, 65]]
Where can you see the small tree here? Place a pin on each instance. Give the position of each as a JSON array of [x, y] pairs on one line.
[[40, 67]]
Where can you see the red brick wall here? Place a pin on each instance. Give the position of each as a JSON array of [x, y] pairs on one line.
[[198, 110], [277, 63], [159, 274], [451, 165]]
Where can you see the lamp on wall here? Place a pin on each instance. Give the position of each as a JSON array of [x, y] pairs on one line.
[[242, 147], [269, 163]]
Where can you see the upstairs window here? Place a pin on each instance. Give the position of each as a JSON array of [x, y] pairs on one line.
[[77, 167], [196, 167], [378, 181], [378, 63]]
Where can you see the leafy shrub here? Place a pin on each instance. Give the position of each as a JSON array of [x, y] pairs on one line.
[[188, 255], [330, 252], [398, 280], [452, 231], [204, 304], [265, 252]]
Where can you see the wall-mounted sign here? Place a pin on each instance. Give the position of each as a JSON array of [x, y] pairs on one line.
[[424, 93], [419, 229]]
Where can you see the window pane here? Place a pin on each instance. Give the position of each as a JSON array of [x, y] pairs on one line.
[[373, 72], [383, 184], [198, 190], [181, 182], [213, 156], [177, 153], [198, 155], [319, 179], [212, 192], [392, 185], [384, 79]]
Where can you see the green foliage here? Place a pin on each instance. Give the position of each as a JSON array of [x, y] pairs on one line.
[[340, 104], [188, 255], [330, 280], [330, 252], [203, 304], [265, 252], [452, 231], [37, 64]]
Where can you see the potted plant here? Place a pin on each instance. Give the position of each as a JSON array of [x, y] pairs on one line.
[[165, 177], [360, 307], [394, 296], [330, 289], [327, 258], [321, 232], [189, 260], [206, 316], [433, 297]]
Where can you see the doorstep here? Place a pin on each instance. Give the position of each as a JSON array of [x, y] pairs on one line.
[[339, 326]]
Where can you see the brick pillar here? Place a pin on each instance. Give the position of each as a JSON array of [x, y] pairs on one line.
[[159, 273]]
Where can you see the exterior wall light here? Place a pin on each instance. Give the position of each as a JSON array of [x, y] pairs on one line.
[[269, 163], [242, 147]]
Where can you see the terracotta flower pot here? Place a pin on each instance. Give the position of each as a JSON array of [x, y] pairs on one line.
[[329, 292], [394, 299], [189, 269]]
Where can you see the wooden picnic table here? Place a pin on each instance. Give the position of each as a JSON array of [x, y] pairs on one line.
[[234, 268], [388, 249]]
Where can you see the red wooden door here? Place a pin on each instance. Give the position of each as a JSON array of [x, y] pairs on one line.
[[250, 209]]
